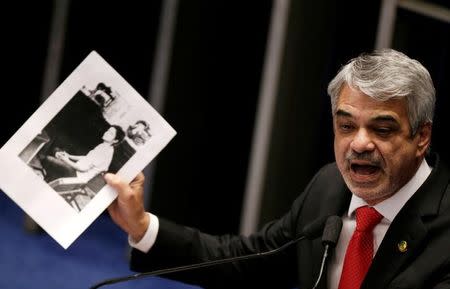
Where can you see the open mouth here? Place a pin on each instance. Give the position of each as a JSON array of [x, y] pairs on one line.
[[364, 169], [365, 173]]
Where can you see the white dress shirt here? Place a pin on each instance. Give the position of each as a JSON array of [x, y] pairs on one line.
[[389, 208], [150, 235]]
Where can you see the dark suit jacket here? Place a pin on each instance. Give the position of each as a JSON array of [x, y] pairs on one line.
[[424, 222]]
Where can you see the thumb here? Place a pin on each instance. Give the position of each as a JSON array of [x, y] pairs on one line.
[[117, 183]]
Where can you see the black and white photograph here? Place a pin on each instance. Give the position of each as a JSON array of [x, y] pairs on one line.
[[94, 123], [79, 145]]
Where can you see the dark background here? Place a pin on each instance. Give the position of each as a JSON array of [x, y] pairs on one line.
[[213, 87], [78, 128]]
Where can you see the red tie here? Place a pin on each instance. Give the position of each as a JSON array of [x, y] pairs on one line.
[[360, 249]]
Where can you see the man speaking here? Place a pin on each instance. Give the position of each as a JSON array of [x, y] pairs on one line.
[[391, 192]]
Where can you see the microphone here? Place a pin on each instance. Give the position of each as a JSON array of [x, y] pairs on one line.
[[310, 231], [330, 237]]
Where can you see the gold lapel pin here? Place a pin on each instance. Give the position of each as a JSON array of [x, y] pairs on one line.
[[402, 246]]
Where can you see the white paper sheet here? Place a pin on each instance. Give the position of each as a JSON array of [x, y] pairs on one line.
[[73, 119]]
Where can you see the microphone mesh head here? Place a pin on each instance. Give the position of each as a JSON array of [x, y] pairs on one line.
[[314, 229], [332, 230]]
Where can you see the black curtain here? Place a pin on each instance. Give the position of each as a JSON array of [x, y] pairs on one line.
[[212, 93]]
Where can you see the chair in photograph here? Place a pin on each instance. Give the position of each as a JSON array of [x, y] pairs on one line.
[[30, 152], [78, 193], [30, 156]]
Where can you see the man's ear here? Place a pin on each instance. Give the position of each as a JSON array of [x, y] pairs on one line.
[[424, 139]]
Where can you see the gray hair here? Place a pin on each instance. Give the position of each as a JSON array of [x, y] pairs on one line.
[[388, 74]]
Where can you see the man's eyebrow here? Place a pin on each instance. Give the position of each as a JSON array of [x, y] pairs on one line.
[[385, 117], [344, 113]]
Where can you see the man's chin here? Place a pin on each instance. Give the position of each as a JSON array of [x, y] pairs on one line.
[[370, 194], [364, 190]]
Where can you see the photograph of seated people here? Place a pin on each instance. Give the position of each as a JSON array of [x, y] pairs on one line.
[[84, 167], [139, 132], [69, 175], [391, 192]]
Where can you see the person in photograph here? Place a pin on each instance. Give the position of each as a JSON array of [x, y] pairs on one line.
[[84, 167], [139, 132], [390, 191]]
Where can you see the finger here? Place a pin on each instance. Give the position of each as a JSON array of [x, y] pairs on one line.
[[111, 209], [116, 182], [138, 180], [116, 217]]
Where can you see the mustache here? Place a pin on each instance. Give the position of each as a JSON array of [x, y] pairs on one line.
[[364, 156]]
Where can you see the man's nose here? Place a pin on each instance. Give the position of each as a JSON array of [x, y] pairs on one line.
[[362, 142]]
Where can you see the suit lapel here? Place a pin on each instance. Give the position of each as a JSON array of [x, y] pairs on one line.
[[390, 259]]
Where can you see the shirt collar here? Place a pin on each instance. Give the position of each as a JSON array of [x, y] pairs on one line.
[[390, 207]]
